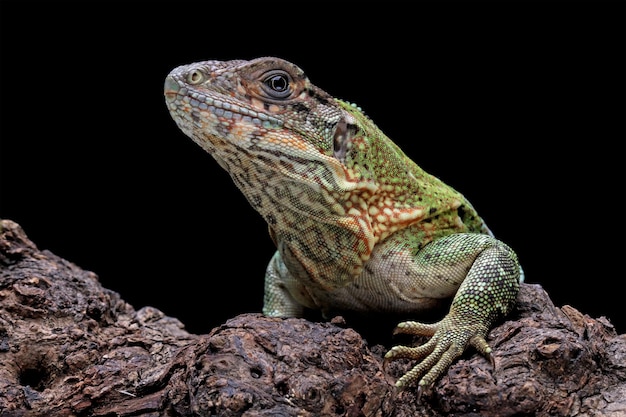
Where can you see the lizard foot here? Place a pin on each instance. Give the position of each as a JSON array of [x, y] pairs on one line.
[[449, 340]]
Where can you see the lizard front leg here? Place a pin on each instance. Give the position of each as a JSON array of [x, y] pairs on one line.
[[487, 293], [284, 296]]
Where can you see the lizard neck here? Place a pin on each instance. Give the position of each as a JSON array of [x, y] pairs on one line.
[[326, 215]]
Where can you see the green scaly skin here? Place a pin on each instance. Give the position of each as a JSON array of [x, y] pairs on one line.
[[357, 224]]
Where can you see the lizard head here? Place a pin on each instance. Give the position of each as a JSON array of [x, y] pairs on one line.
[[263, 114]]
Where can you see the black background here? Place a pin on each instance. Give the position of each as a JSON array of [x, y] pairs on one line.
[[519, 105]]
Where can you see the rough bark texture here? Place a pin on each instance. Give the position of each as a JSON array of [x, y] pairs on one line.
[[69, 347]]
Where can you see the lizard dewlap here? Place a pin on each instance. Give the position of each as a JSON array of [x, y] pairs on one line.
[[357, 224]]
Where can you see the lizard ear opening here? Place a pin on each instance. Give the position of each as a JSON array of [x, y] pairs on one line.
[[344, 132]]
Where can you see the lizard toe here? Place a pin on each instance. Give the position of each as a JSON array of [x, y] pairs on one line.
[[416, 328], [433, 366]]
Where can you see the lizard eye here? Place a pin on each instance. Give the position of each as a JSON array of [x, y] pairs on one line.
[[277, 84], [195, 77]]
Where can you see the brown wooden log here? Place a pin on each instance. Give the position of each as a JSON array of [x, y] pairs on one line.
[[69, 347]]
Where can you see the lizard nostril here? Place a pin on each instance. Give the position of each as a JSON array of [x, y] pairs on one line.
[[171, 88]]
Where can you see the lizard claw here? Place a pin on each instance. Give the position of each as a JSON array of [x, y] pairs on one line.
[[481, 345], [420, 391]]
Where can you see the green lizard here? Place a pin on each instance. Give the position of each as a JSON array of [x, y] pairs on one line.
[[357, 224]]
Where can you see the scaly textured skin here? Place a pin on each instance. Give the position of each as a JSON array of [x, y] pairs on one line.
[[357, 224]]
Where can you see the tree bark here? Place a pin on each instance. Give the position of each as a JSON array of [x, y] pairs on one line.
[[69, 347]]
